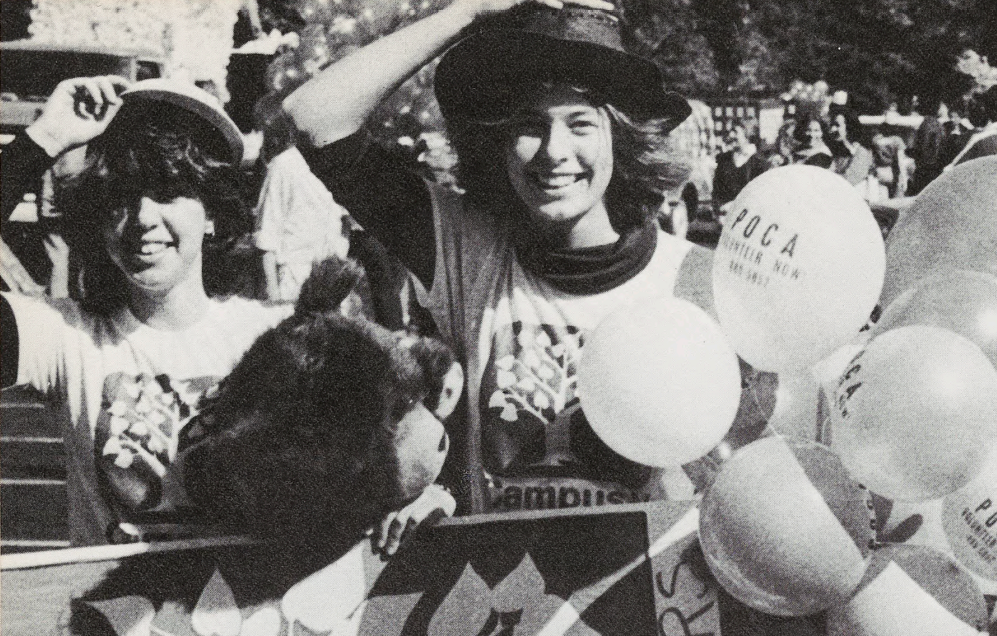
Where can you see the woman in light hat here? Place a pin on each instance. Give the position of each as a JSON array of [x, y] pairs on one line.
[[562, 139], [127, 366]]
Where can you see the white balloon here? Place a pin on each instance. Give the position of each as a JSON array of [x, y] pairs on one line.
[[969, 518], [893, 602], [798, 269], [659, 383], [914, 417]]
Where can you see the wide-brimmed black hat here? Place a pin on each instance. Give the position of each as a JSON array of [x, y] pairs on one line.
[[481, 77]]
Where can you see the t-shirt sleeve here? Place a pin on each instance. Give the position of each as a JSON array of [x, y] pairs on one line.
[[51, 337], [470, 244], [383, 195]]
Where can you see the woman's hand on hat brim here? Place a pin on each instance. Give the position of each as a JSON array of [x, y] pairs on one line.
[[78, 110]]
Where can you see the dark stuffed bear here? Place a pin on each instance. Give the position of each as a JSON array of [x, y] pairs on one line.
[[326, 426]]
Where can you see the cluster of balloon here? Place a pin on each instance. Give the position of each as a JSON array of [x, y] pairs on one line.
[[911, 590], [785, 529], [915, 414], [958, 300], [798, 269], [949, 226], [659, 383]]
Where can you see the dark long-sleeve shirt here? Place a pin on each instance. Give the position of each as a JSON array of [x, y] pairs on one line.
[[22, 163]]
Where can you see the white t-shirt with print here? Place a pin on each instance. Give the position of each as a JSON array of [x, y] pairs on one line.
[[522, 339], [124, 391]]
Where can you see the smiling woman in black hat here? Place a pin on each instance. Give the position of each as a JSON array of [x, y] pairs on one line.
[[127, 366], [562, 140]]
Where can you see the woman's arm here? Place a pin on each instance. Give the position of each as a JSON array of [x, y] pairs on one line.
[[78, 110], [336, 103]]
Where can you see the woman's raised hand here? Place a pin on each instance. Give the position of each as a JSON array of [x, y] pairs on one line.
[[78, 110]]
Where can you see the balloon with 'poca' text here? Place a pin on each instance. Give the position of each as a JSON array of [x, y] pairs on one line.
[[969, 518], [912, 590], [914, 416], [962, 301], [658, 382], [950, 225], [785, 529], [798, 269]]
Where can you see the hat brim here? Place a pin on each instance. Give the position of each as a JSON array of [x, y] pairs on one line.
[[481, 77], [228, 143]]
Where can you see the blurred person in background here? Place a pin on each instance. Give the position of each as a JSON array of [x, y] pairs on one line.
[[957, 133], [852, 160], [926, 147], [983, 116], [738, 164], [298, 223], [890, 161], [785, 142], [811, 136]]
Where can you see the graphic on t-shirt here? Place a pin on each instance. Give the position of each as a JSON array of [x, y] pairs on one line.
[[538, 450], [137, 431], [529, 384]]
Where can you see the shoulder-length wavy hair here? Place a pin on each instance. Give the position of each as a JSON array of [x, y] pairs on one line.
[[142, 153], [645, 162]]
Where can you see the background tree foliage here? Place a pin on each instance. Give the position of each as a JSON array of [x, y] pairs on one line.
[[880, 51]]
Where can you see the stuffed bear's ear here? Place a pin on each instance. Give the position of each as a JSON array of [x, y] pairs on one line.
[[328, 285]]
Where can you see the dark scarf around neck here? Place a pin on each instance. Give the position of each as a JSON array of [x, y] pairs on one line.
[[589, 270]]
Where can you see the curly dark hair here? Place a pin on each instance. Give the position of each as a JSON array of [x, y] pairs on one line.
[[143, 151], [300, 439], [645, 163]]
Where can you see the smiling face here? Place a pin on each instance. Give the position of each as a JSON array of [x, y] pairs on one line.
[[156, 241], [815, 135], [560, 158], [421, 446]]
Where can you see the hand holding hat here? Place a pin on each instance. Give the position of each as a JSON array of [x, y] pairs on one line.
[[78, 110]]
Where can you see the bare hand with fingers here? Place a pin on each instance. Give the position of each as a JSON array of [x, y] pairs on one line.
[[78, 110], [432, 505]]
